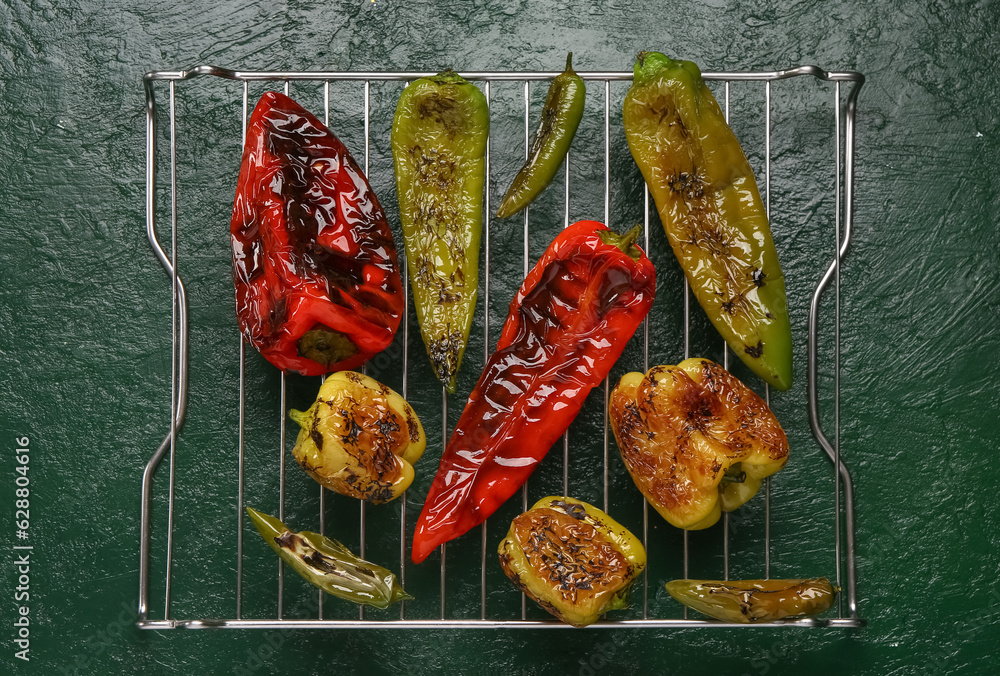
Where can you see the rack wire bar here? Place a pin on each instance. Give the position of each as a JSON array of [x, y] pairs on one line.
[[489, 624], [844, 553]]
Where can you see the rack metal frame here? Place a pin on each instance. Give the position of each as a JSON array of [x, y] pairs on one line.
[[844, 108]]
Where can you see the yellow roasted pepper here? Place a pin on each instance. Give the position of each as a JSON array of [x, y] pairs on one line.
[[359, 438], [572, 558], [695, 439], [750, 601]]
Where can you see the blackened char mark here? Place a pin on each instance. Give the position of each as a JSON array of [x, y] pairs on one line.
[[615, 282], [557, 292], [443, 109], [755, 351], [308, 200]]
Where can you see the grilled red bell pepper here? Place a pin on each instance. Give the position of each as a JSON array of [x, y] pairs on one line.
[[314, 262], [567, 325]]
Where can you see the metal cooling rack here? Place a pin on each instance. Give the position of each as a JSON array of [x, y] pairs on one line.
[[843, 108]]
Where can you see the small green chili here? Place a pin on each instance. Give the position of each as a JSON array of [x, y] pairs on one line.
[[560, 118], [329, 565]]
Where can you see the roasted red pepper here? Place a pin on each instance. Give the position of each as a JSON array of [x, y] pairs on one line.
[[314, 262], [567, 325]]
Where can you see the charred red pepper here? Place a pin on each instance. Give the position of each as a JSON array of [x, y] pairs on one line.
[[314, 262], [567, 325]]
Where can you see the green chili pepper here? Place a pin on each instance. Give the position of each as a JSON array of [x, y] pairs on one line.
[[711, 210], [751, 601], [560, 118], [329, 565], [438, 145]]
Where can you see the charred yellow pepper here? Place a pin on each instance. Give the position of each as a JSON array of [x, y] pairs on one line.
[[359, 438], [750, 601], [695, 439], [572, 558], [711, 210]]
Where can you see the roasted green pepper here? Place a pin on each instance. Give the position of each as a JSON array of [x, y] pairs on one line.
[[560, 118], [572, 558], [439, 138], [329, 565], [695, 439], [711, 210], [751, 601], [359, 438]]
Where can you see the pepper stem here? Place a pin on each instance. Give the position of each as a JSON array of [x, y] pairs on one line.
[[326, 346], [446, 77], [734, 475], [299, 417], [569, 62], [624, 242]]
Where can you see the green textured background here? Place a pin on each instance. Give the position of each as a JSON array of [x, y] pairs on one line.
[[85, 308]]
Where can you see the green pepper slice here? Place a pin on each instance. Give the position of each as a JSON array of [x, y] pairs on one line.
[[329, 565], [439, 138], [560, 117], [711, 210], [753, 601]]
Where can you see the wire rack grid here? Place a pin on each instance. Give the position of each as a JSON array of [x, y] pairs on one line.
[[844, 106]]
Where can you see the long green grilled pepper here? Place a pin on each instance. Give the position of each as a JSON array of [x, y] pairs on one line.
[[329, 565], [711, 210], [560, 118], [754, 601], [439, 137]]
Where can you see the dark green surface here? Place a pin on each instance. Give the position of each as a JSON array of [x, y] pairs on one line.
[[84, 327]]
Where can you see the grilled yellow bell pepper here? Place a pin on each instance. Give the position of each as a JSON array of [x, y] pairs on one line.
[[572, 558], [752, 601], [359, 438], [695, 439]]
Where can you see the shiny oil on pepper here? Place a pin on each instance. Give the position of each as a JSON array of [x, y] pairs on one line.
[[359, 438], [439, 135], [561, 116], [329, 565], [711, 210], [753, 601], [567, 325], [314, 264], [695, 439], [574, 560]]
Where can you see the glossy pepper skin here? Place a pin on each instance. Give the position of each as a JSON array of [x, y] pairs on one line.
[[329, 565], [314, 264], [567, 326], [711, 210], [561, 116], [359, 438], [754, 601], [571, 558], [695, 439], [439, 135]]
